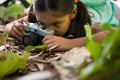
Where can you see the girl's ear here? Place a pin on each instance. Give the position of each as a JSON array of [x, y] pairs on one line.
[[74, 13]]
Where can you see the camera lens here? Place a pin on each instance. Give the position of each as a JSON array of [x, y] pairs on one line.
[[31, 38]]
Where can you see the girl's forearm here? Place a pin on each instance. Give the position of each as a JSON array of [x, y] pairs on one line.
[[79, 42]]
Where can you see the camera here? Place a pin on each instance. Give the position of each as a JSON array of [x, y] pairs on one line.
[[34, 33]]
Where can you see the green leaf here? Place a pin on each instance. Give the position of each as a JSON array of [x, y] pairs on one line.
[[40, 47], [106, 61], [11, 62], [111, 44], [28, 48], [6, 36], [106, 26], [2, 12], [91, 69], [2, 39], [12, 11], [88, 32], [29, 1], [95, 49]]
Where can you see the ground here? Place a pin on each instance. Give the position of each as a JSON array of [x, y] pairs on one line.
[[50, 65]]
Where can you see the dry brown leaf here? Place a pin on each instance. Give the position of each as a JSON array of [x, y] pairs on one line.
[[40, 66], [71, 60], [58, 56], [40, 61], [43, 75], [75, 57], [1, 28], [2, 47]]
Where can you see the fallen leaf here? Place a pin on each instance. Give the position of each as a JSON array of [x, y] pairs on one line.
[[11, 62], [37, 76], [2, 47], [75, 57], [40, 66]]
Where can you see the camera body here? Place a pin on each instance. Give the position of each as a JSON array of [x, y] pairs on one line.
[[34, 34]]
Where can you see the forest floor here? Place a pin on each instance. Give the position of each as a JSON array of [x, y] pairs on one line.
[[46, 65]]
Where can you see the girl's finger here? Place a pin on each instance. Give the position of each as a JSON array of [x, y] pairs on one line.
[[52, 46], [15, 35], [50, 41], [47, 38], [23, 20], [17, 32], [18, 26]]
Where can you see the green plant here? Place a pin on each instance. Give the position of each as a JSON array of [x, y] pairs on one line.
[[38, 47], [10, 62], [12, 11], [105, 56]]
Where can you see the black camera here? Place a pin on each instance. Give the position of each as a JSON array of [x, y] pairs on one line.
[[34, 33]]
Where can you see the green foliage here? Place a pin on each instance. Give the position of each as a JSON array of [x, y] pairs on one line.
[[11, 62], [29, 1], [6, 36], [95, 49], [3, 37], [12, 11], [106, 57], [2, 11], [39, 47], [88, 32], [106, 26]]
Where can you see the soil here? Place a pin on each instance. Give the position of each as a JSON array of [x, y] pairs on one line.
[[39, 63]]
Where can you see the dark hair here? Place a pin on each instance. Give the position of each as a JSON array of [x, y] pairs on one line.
[[64, 7], [77, 25], [31, 16]]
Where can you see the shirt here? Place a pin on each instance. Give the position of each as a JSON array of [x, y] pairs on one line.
[[101, 11]]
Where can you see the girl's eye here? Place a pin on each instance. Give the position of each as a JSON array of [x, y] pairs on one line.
[[56, 24]]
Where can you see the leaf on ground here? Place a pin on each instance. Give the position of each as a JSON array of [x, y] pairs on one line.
[[75, 57], [11, 62], [2, 39], [2, 47], [43, 75], [6, 36], [40, 47]]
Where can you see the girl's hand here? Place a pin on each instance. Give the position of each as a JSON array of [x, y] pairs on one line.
[[58, 43], [15, 29]]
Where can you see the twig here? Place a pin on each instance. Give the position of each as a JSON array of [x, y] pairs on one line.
[[41, 61], [1, 28], [32, 57]]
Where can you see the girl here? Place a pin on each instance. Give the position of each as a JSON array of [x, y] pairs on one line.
[[66, 17]]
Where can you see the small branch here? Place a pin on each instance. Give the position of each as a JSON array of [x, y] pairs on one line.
[[1, 28], [32, 57]]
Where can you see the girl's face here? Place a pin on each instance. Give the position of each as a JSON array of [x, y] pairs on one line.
[[59, 24]]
